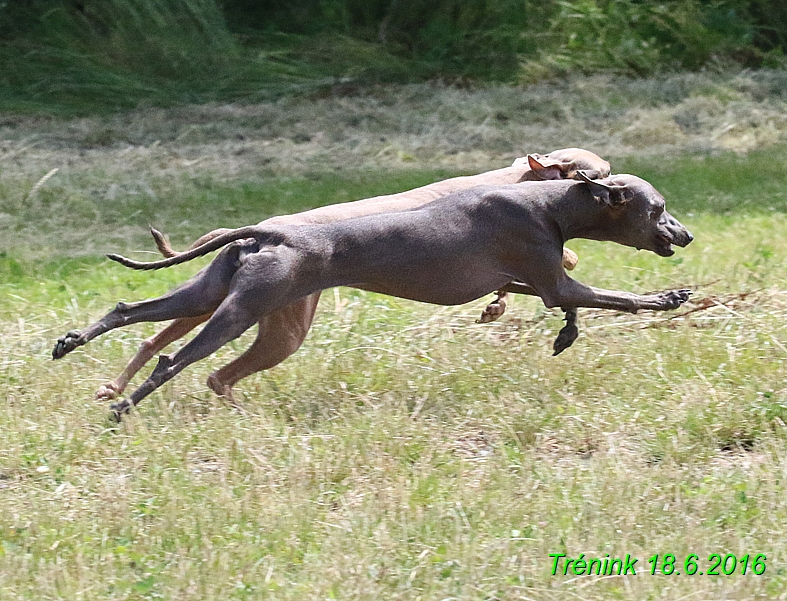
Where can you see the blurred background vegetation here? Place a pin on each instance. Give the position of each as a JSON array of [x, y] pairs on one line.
[[77, 56]]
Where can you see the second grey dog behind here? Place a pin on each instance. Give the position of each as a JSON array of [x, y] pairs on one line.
[[451, 251]]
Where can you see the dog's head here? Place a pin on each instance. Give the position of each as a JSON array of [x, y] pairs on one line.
[[564, 164], [635, 214]]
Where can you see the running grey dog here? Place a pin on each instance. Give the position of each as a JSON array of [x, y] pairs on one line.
[[448, 252], [281, 332]]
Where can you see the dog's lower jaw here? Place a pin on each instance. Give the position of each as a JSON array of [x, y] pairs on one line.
[[665, 251]]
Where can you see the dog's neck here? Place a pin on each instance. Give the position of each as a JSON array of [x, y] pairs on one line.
[[578, 215]]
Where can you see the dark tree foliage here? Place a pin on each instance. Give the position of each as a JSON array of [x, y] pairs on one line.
[[769, 18], [122, 52], [480, 38], [477, 37], [494, 36]]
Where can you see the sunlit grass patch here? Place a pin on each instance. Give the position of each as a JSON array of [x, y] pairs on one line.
[[405, 448]]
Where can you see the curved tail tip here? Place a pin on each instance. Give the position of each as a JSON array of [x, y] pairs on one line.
[[131, 264], [120, 259], [158, 238]]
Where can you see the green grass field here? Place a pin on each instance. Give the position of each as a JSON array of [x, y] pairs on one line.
[[405, 452]]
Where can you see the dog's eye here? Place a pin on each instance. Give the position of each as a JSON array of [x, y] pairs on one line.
[[656, 212]]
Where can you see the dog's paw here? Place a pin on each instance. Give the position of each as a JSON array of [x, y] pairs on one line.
[[66, 344], [108, 392], [673, 299], [570, 259], [220, 388], [493, 311], [565, 338], [118, 410]]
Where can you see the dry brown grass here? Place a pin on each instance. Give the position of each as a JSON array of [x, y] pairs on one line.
[[411, 126]]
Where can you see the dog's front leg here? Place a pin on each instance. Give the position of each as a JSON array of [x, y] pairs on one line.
[[567, 292], [495, 309], [567, 335]]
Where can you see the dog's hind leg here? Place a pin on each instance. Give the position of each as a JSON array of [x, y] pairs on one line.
[[280, 334], [224, 325], [262, 285], [149, 349], [200, 295]]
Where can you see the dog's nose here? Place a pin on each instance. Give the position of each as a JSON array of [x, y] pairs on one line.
[[681, 236]]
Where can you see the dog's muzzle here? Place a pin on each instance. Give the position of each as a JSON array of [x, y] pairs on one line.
[[671, 231]]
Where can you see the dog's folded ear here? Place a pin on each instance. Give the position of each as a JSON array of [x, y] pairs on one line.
[[593, 174], [608, 194], [545, 168]]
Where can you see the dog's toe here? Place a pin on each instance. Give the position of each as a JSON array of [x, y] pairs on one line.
[[107, 392], [678, 297], [672, 299], [66, 344], [493, 312], [118, 410]]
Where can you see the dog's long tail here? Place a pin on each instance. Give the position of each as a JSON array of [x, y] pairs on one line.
[[165, 249], [250, 231]]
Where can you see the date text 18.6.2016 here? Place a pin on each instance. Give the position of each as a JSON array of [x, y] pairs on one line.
[[666, 565]]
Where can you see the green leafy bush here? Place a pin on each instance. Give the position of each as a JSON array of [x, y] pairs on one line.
[[643, 37], [91, 54]]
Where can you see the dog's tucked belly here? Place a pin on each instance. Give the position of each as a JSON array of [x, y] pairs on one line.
[[446, 290]]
